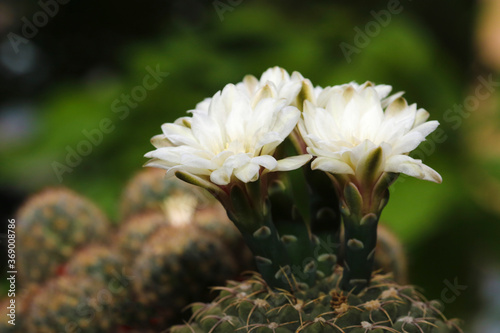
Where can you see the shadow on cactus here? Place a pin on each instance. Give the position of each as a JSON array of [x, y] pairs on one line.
[[352, 141]]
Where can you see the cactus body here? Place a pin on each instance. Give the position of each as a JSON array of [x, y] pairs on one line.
[[156, 201], [251, 305], [96, 261], [73, 304], [176, 267], [134, 233], [213, 219], [148, 190], [51, 226]]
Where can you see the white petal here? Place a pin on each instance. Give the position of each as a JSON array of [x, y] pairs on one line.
[[360, 152], [266, 161], [287, 120], [196, 161], [421, 116], [390, 99], [411, 140], [203, 105], [179, 135], [332, 165], [236, 161], [411, 167], [383, 90], [292, 163], [221, 176], [160, 140], [207, 132], [248, 173]]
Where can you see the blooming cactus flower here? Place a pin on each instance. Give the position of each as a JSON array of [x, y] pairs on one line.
[[283, 86], [348, 124], [232, 136]]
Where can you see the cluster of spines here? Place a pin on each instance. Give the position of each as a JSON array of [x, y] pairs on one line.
[[385, 306]]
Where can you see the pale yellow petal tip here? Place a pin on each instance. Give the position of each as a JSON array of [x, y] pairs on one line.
[[431, 175], [149, 164], [436, 178], [160, 140]]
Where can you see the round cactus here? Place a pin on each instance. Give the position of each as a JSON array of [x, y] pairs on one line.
[[180, 203], [135, 232], [213, 219], [96, 261], [71, 304], [51, 226], [385, 306], [149, 188], [176, 267]]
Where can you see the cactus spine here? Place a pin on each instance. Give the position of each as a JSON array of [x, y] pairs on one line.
[[253, 306]]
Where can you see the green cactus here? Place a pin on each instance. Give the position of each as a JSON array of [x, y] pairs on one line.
[[96, 261], [149, 188], [213, 219], [134, 233], [252, 306], [176, 267], [52, 225], [176, 203], [73, 304]]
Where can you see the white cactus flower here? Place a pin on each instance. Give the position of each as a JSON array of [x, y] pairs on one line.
[[283, 86], [347, 123], [286, 86], [322, 95], [233, 136]]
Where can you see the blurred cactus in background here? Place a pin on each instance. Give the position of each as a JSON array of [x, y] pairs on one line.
[[149, 189], [52, 225], [71, 303], [135, 231], [176, 267], [138, 275], [390, 256], [96, 261]]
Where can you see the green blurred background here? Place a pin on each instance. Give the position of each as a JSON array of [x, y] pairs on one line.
[[61, 80]]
